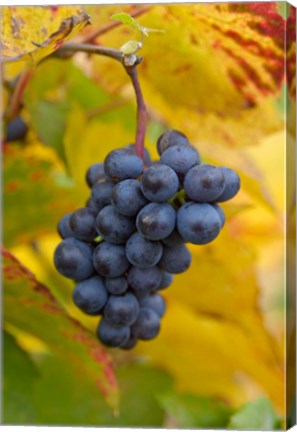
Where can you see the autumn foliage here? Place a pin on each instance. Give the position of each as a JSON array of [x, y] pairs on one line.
[[217, 73]]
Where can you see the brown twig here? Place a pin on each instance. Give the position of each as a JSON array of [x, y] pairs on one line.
[[17, 95], [141, 112], [91, 38], [104, 109], [72, 47]]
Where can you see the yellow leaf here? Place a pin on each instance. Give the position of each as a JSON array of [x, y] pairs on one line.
[[89, 141], [214, 73], [208, 356], [34, 32]]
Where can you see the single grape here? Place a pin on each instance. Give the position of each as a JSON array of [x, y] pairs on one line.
[[113, 226], [101, 194], [198, 223], [90, 295], [16, 130], [146, 155], [95, 174], [116, 286], [144, 280], [122, 164], [159, 183], [171, 138], [166, 280], [143, 253], [204, 183], [73, 259], [132, 341], [154, 302], [181, 159], [82, 224], [232, 184], [175, 259], [64, 229], [121, 310], [127, 197], [147, 325], [221, 214], [156, 221], [173, 239], [91, 203], [112, 336], [110, 260]]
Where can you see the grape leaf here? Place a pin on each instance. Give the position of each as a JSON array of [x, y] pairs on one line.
[[19, 378], [29, 306], [41, 190], [256, 415], [33, 32], [200, 339], [72, 399], [226, 68], [194, 412]]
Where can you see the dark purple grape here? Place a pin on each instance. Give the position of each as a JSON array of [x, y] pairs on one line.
[[90, 295], [198, 223], [181, 159], [113, 226], [159, 183], [73, 259], [121, 310], [204, 183], [171, 138], [95, 174], [123, 164], [143, 253], [154, 302], [232, 184], [110, 260], [175, 259], [63, 227], [112, 336], [82, 224], [127, 197], [156, 221], [144, 280], [147, 325]]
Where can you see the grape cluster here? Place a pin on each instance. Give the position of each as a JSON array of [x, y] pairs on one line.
[[126, 244]]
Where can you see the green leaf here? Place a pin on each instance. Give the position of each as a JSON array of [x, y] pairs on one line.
[[19, 379], [30, 307], [256, 415], [33, 200], [49, 120], [191, 411], [72, 399], [131, 22]]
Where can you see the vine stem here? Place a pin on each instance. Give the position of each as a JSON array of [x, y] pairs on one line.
[[17, 95], [141, 111], [70, 47]]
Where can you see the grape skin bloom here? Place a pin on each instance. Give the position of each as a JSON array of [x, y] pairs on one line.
[[156, 221], [198, 223], [159, 183]]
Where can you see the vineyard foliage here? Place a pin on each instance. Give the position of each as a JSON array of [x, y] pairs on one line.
[[215, 72]]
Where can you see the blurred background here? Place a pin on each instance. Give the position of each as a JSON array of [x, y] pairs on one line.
[[216, 74]]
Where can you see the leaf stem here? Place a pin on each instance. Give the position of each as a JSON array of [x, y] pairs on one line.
[[141, 111]]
